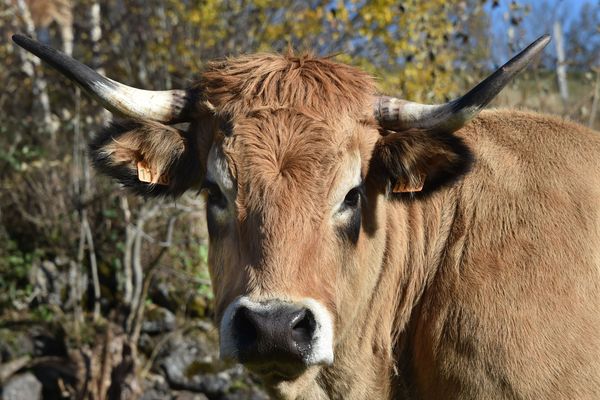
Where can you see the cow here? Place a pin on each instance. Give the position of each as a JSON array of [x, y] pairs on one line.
[[368, 247]]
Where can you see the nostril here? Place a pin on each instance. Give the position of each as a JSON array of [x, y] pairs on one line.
[[303, 327], [245, 327]]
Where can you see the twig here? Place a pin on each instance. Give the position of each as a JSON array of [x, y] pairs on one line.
[[93, 265], [138, 313], [75, 294], [168, 240], [129, 238], [595, 101], [141, 305], [136, 256], [7, 370]]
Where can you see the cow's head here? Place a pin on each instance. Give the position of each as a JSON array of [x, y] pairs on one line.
[[298, 158]]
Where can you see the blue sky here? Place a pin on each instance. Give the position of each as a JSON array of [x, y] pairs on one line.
[[567, 9], [537, 22]]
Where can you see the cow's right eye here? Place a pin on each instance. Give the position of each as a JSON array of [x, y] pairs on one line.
[[214, 196], [352, 199]]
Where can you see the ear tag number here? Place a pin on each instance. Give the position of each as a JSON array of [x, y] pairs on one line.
[[145, 174], [405, 187]]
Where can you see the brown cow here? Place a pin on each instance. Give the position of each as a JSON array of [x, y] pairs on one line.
[[371, 252]]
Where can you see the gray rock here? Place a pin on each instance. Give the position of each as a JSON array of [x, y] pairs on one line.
[[189, 396], [22, 387], [158, 320], [155, 388], [249, 393], [48, 282], [15, 343], [154, 394], [191, 363], [53, 282]]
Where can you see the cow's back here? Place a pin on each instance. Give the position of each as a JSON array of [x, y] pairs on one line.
[[514, 309]]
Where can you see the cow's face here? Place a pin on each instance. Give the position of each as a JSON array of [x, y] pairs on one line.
[[298, 160], [294, 244]]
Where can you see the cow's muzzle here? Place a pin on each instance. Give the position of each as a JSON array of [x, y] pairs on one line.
[[277, 337]]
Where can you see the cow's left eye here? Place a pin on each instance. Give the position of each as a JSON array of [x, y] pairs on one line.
[[214, 195], [352, 199]]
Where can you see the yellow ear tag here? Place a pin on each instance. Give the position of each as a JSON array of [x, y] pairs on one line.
[[404, 187], [145, 174]]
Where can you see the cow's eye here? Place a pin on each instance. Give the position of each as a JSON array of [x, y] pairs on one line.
[[214, 196], [352, 199]]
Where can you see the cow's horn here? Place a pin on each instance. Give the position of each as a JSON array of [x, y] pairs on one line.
[[397, 114], [167, 106]]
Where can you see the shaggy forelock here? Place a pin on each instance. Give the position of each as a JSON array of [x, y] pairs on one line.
[[318, 85]]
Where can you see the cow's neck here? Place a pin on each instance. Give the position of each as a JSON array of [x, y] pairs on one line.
[[429, 226], [369, 362]]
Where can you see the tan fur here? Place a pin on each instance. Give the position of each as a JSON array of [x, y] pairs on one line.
[[485, 288], [512, 311]]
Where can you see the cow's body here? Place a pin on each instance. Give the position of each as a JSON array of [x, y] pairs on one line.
[[476, 277], [500, 279], [513, 310]]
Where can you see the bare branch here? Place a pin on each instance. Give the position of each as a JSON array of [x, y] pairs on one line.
[[596, 99]]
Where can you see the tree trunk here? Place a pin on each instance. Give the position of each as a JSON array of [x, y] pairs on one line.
[[31, 67], [561, 66]]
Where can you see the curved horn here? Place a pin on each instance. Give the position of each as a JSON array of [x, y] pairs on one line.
[[397, 114], [166, 106]]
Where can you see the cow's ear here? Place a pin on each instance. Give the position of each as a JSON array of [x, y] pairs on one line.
[[417, 162], [148, 158]]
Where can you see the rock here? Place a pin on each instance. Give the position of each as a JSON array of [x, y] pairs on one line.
[[164, 295], [147, 343], [48, 282], [191, 363], [155, 394], [250, 393], [15, 343], [158, 320], [155, 388], [189, 396], [22, 387], [35, 340]]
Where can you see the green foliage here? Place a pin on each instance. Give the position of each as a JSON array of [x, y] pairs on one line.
[[15, 266], [43, 313]]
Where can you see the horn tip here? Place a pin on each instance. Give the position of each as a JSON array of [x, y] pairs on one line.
[[544, 40], [18, 38], [23, 41]]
